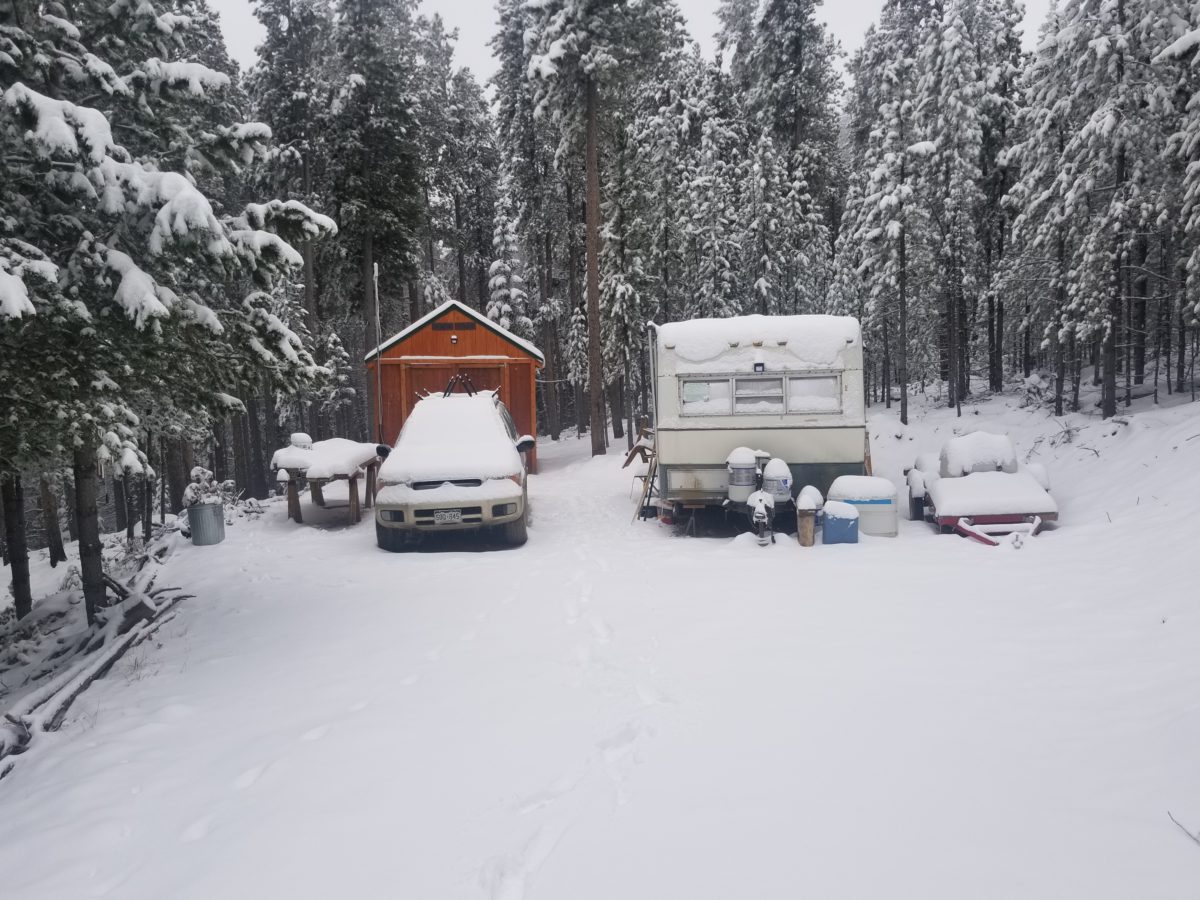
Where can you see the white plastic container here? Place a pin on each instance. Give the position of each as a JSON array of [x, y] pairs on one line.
[[875, 500], [743, 474], [777, 481]]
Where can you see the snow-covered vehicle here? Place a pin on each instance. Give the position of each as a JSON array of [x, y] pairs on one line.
[[788, 386], [977, 488], [458, 465]]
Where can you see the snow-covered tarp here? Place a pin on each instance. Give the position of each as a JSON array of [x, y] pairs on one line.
[[979, 451], [451, 438], [809, 342], [332, 458], [991, 494]]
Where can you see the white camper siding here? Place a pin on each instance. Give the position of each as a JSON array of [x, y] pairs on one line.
[[809, 445], [764, 382]]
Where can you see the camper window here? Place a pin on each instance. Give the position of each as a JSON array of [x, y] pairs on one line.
[[705, 398], [815, 394], [758, 395]]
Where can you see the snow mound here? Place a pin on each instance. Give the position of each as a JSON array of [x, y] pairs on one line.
[[815, 341], [979, 451], [861, 487], [991, 494], [332, 458], [839, 509]]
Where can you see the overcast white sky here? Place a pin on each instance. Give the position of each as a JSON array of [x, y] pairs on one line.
[[476, 19]]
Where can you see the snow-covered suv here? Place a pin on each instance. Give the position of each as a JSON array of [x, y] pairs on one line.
[[456, 466]]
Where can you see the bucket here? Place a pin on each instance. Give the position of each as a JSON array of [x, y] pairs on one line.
[[841, 523], [207, 523], [777, 481], [743, 474]]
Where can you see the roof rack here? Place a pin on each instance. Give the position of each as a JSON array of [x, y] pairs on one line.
[[460, 380]]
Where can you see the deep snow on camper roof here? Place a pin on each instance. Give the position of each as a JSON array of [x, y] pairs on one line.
[[816, 341]]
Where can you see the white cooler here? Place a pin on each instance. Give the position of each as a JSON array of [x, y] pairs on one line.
[[875, 500]]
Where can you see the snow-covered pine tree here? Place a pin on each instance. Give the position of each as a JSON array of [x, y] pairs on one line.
[[114, 264], [506, 287], [950, 145], [374, 162], [581, 51], [714, 203]]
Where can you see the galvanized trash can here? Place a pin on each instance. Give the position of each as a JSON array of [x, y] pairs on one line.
[[207, 523]]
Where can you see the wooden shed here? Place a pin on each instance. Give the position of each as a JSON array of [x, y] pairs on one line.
[[452, 340]]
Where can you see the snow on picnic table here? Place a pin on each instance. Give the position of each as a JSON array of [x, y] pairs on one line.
[[331, 458], [613, 711]]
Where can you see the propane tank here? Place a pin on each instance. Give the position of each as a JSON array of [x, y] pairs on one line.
[[777, 481], [743, 474]]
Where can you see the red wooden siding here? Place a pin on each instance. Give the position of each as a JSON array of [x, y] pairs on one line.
[[455, 343]]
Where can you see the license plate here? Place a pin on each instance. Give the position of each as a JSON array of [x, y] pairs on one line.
[[447, 516]]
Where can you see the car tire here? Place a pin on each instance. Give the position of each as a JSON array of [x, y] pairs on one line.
[[516, 533], [389, 539]]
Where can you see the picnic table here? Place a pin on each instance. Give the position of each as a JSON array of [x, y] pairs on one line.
[[320, 462]]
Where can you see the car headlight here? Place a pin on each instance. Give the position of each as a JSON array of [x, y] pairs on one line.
[[504, 509], [391, 515]]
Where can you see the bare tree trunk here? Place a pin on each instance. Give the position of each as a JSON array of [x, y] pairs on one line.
[[627, 400], [1108, 394], [148, 493], [616, 397], [903, 339], [49, 507], [258, 467], [595, 367], [220, 451], [12, 497], [72, 514], [887, 366], [120, 506], [460, 250], [91, 563], [370, 312], [1141, 287], [176, 476], [241, 473]]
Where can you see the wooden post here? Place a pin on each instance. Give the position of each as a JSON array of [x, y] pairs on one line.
[[318, 492], [806, 525], [293, 499], [355, 509], [372, 469]]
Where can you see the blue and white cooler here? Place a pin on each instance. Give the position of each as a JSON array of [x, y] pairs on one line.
[[875, 500]]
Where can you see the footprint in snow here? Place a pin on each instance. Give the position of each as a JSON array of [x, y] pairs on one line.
[[315, 734], [601, 630], [248, 777], [510, 879], [197, 831]]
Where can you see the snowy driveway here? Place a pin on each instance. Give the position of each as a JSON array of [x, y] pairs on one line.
[[613, 712]]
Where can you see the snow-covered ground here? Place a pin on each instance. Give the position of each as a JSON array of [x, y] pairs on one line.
[[614, 711]]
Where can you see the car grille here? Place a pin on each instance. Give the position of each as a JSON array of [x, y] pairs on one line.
[[430, 485], [471, 515]]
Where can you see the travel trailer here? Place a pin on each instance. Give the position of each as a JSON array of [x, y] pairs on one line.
[[783, 386]]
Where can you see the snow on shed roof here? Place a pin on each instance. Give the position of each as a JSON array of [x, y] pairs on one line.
[[466, 311], [817, 340]]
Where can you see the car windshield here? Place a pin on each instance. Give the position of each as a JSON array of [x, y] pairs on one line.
[[460, 436]]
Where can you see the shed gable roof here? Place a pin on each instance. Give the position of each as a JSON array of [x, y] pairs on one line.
[[475, 315]]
